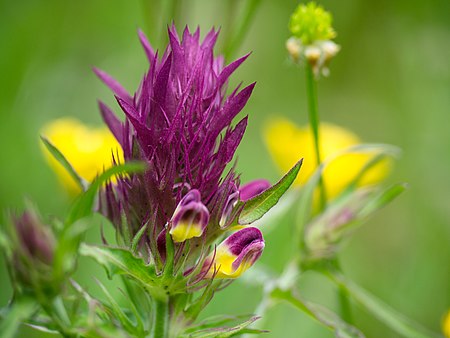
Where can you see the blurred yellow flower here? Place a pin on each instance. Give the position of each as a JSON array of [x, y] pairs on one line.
[[287, 143], [88, 150], [446, 325]]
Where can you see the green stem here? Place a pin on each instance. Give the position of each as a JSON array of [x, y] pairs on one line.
[[385, 313], [344, 303], [242, 26], [313, 111], [160, 324]]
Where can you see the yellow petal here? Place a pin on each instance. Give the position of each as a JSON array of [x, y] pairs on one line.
[[89, 150], [183, 232], [287, 143], [446, 325]]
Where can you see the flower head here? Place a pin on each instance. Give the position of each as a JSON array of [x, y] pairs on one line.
[[286, 141], [87, 149], [311, 23], [312, 36], [179, 122]]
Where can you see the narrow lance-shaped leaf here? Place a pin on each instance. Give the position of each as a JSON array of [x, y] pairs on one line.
[[84, 204], [120, 315], [122, 262], [398, 322], [224, 332], [384, 198], [58, 156], [19, 311], [321, 314], [256, 207]]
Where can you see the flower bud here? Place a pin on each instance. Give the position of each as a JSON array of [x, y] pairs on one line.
[[33, 246], [230, 203], [35, 239], [190, 217], [253, 188], [325, 232], [294, 48], [236, 254]]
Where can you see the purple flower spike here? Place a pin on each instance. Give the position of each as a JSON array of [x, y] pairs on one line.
[[236, 254], [190, 217], [253, 188], [180, 123]]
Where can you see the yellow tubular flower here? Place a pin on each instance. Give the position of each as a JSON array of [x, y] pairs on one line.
[[287, 143], [446, 325], [88, 150]]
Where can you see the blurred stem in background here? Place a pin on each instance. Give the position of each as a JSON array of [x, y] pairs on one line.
[[314, 121], [158, 15], [239, 28]]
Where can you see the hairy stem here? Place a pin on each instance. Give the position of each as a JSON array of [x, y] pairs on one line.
[[160, 327]]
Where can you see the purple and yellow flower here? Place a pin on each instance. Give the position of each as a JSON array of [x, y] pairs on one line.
[[235, 254], [190, 217], [179, 122]]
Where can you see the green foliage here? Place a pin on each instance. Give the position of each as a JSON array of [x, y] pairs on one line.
[[213, 328], [58, 156], [320, 313], [15, 314], [402, 325], [258, 206]]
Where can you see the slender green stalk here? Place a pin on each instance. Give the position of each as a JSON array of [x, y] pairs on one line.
[[169, 11], [241, 28], [384, 312], [160, 323], [313, 111], [343, 297]]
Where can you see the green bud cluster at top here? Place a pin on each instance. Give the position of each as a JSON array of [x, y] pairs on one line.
[[310, 23]]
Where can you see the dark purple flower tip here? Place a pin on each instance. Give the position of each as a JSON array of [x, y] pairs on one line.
[[230, 203], [190, 217], [36, 240], [253, 188], [236, 254]]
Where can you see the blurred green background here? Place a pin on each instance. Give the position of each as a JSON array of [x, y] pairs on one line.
[[390, 83]]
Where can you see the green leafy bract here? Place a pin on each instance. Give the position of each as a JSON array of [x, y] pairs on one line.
[[58, 156], [256, 207]]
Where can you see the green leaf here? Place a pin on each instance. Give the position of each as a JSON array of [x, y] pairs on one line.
[[120, 315], [58, 156], [384, 198], [118, 261], [224, 332], [256, 207], [84, 204], [385, 313], [216, 321], [320, 313], [18, 311]]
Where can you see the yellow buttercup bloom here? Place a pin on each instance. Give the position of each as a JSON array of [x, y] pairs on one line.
[[287, 143], [446, 325], [88, 150]]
